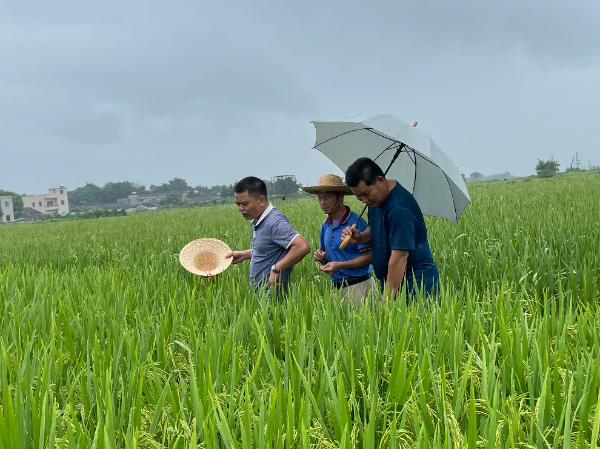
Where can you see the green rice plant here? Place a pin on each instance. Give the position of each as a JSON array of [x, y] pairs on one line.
[[106, 341]]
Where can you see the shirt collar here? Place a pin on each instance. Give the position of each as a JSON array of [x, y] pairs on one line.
[[343, 220], [264, 214]]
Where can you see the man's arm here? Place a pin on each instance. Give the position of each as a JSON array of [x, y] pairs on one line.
[[358, 238], [358, 262], [396, 270], [320, 254], [239, 256], [298, 249]]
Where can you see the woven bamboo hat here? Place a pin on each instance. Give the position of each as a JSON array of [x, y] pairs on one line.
[[205, 257], [328, 183]]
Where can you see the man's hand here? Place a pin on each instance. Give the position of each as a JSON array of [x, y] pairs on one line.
[[330, 267], [274, 279], [355, 233], [238, 256], [320, 256]]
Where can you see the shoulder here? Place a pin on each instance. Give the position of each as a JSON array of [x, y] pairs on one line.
[[276, 221], [276, 216], [400, 213]]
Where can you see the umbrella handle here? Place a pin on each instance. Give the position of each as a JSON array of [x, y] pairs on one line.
[[347, 239]]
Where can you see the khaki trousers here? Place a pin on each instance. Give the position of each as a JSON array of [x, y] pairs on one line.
[[354, 294]]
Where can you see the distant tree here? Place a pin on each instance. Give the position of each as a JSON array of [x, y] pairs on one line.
[[283, 186], [463, 177], [89, 194], [174, 185], [17, 201], [205, 190], [227, 191], [546, 169], [112, 191], [475, 175], [172, 199]]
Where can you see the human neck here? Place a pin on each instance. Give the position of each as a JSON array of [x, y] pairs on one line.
[[338, 213], [389, 185], [262, 211]]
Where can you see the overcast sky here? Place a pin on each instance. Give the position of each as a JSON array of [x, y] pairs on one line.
[[99, 91]]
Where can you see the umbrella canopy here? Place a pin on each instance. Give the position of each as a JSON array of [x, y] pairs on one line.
[[422, 167]]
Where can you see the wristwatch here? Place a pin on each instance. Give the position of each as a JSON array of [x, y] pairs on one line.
[[275, 270]]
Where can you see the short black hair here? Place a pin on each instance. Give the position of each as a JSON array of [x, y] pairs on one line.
[[363, 169], [253, 185]]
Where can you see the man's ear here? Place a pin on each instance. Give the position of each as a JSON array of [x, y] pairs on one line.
[[381, 180], [262, 200]]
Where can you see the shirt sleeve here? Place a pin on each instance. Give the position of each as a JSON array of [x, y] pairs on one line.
[[362, 226], [282, 233], [322, 237], [402, 225]]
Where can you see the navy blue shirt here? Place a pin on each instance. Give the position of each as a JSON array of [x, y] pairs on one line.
[[331, 239], [398, 224]]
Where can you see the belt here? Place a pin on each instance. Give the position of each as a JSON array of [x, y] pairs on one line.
[[352, 280]]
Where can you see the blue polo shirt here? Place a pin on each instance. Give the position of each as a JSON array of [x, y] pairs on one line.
[[272, 235], [331, 238], [398, 224]]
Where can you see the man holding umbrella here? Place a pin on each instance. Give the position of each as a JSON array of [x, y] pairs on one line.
[[396, 232], [350, 269]]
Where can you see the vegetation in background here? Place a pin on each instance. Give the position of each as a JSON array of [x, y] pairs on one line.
[[546, 169], [96, 212], [106, 341], [109, 193]]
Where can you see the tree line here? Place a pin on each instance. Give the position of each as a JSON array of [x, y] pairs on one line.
[[112, 191]]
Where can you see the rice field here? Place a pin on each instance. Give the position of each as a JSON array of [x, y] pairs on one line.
[[107, 342]]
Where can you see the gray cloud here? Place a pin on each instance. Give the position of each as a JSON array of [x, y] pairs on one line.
[[215, 91]]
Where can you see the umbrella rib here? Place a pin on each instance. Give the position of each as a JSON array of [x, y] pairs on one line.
[[453, 202], [415, 176], [445, 176], [335, 137], [388, 148]]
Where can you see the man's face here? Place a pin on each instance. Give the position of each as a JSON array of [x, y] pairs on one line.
[[372, 195], [250, 207], [329, 200]]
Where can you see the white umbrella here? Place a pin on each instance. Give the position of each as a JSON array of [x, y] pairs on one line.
[[421, 167]]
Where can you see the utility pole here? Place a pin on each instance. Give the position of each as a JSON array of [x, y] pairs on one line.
[[577, 160]]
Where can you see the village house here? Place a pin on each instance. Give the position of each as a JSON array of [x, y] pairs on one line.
[[55, 202], [134, 199], [8, 214]]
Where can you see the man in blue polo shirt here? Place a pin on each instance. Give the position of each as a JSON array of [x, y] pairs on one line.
[[396, 232], [276, 245], [350, 269]]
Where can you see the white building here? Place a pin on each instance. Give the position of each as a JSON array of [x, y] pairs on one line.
[[134, 199], [55, 202], [8, 214]]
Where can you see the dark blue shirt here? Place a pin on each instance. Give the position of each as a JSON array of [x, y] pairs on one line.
[[331, 239], [398, 224]]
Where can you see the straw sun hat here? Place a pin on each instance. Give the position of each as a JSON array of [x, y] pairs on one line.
[[328, 183], [205, 257]]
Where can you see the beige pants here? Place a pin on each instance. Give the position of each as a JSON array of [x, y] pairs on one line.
[[357, 292]]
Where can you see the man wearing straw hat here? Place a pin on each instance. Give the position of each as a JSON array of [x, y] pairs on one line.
[[350, 269], [276, 245]]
